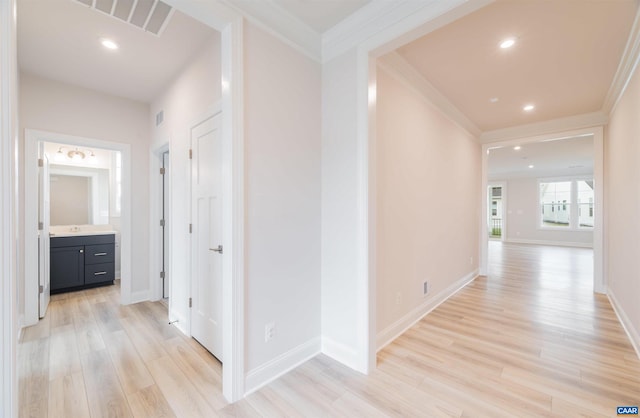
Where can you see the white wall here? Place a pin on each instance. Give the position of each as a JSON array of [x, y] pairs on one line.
[[191, 94], [282, 169], [622, 177], [51, 106], [428, 205], [522, 217], [340, 215]]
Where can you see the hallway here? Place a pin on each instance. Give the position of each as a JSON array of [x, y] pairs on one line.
[[531, 339]]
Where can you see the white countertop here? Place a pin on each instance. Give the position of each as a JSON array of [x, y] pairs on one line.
[[80, 230], [81, 233]]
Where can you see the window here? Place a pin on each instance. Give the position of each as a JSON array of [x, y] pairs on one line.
[[555, 200], [566, 204]]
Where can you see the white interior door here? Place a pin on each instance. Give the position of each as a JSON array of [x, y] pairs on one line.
[[43, 231], [206, 239]]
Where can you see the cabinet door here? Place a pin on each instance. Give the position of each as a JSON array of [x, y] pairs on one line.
[[67, 267]]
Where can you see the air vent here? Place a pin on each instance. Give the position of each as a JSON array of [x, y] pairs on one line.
[[149, 15]]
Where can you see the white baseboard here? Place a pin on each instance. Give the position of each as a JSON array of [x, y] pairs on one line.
[[268, 372], [341, 353], [393, 331], [632, 333], [553, 243], [141, 296], [20, 326]]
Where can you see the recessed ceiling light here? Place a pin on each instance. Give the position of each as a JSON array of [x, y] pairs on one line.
[[531, 166], [528, 108], [494, 100], [507, 43], [517, 147], [108, 43]]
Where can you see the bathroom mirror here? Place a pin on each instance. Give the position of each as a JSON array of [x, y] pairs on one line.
[[79, 195]]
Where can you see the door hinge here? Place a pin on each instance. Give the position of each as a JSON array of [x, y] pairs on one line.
[[162, 222], [162, 171], [190, 153], [41, 289], [40, 162], [162, 274], [190, 302], [40, 226], [190, 228]]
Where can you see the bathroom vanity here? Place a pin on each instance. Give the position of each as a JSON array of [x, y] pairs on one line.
[[80, 261]]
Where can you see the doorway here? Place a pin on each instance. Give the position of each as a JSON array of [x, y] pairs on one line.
[[496, 222], [33, 247]]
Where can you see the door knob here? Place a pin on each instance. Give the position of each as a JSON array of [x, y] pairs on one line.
[[218, 250]]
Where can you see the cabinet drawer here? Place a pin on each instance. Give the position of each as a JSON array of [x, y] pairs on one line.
[[103, 253], [98, 273]]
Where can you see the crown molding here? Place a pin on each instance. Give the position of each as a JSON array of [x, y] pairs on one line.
[[277, 21], [586, 120], [400, 68], [377, 16], [626, 68]]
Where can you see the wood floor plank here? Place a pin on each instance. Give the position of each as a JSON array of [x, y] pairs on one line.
[[181, 394], [131, 370], [33, 372], [68, 397], [150, 403], [64, 358], [104, 392]]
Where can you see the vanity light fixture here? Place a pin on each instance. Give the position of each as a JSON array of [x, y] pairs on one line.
[[75, 154]]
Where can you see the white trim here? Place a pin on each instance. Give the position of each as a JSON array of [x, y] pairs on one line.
[[599, 278], [584, 121], [626, 68], [32, 138], [396, 66], [548, 242], [627, 325], [399, 327], [340, 352], [9, 247], [230, 24], [284, 363]]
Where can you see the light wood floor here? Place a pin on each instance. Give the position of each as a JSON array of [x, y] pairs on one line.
[[531, 339]]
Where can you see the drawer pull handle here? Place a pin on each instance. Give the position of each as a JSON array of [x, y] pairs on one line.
[[99, 273], [99, 254]]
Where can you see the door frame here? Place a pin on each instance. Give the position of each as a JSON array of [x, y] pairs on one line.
[[155, 207], [32, 139]]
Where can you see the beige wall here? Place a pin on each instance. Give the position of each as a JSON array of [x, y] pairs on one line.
[[52, 106], [428, 202], [70, 200], [282, 169], [622, 178]]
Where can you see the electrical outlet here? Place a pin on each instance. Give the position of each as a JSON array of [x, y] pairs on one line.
[[269, 332], [425, 288], [399, 298]]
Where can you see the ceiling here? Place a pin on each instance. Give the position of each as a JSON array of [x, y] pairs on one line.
[[59, 39], [561, 157], [564, 59]]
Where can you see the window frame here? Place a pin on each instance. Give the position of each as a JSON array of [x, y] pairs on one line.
[[574, 215]]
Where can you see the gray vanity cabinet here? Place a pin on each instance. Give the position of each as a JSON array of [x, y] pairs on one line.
[[80, 262]]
